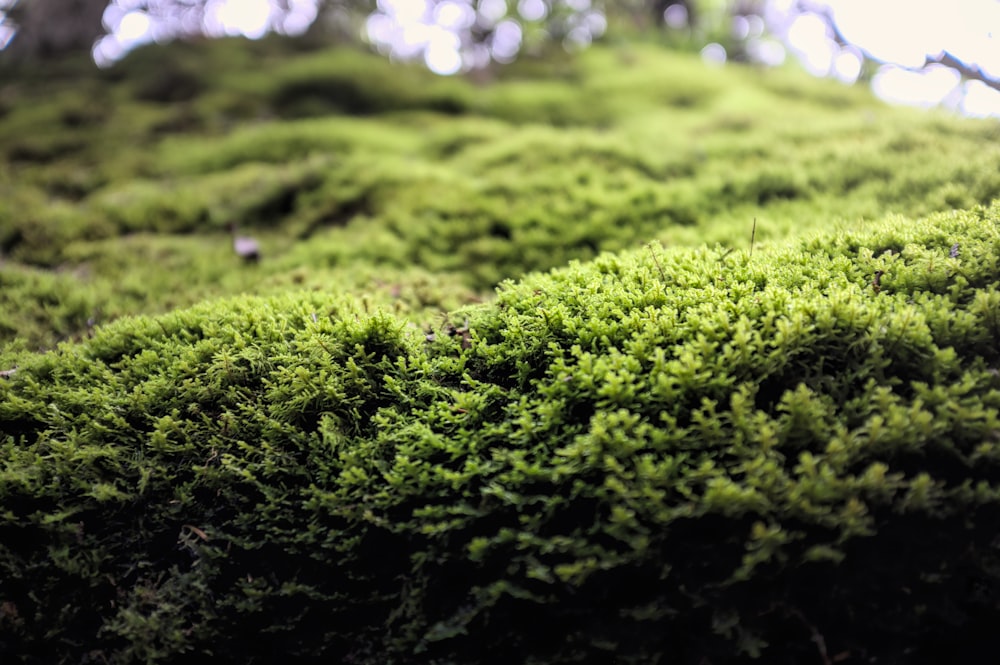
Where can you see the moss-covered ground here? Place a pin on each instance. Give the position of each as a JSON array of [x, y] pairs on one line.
[[509, 382]]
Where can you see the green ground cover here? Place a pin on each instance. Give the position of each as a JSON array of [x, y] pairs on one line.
[[509, 382]]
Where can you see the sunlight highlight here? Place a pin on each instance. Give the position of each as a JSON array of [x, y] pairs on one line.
[[249, 18], [903, 34]]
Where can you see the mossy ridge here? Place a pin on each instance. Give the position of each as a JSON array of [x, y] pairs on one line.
[[46, 307], [670, 453], [648, 144]]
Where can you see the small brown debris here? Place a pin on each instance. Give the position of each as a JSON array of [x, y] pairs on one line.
[[463, 333], [877, 280], [196, 531], [246, 248]]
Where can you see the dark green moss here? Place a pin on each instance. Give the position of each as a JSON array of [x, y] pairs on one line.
[[658, 456], [664, 451]]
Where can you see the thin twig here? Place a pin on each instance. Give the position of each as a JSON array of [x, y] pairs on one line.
[[817, 637], [663, 275], [753, 234]]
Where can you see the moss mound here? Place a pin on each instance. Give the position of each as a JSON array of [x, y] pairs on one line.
[[123, 183], [660, 456], [508, 385]]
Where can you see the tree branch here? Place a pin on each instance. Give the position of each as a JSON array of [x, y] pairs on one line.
[[946, 58], [970, 72]]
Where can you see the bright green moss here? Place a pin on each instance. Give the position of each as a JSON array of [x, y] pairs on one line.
[[648, 445], [397, 168], [666, 454]]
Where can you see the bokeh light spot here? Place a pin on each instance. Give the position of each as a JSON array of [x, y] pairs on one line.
[[676, 16], [250, 18], [133, 28], [454, 15], [532, 10], [506, 40], [442, 58], [740, 28], [847, 64], [492, 11], [714, 54], [980, 100]]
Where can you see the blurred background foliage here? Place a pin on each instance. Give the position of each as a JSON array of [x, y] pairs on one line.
[[119, 186], [453, 36], [355, 166], [44, 28]]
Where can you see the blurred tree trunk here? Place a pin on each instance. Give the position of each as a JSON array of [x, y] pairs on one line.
[[48, 28]]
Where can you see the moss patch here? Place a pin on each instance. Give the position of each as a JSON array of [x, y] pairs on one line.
[[339, 160], [658, 454], [651, 442]]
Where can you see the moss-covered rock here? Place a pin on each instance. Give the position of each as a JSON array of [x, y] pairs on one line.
[[659, 456], [736, 398], [337, 160]]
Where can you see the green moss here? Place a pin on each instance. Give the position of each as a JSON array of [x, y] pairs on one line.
[[653, 442], [650, 145], [678, 453]]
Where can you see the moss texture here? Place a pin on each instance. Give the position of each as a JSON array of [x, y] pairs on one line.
[[338, 161], [653, 443]]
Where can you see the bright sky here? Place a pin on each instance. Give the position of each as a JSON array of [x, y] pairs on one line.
[[900, 32]]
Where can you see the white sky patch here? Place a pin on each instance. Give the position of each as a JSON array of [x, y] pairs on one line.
[[250, 18], [903, 32], [133, 28], [898, 31], [977, 38], [925, 88], [847, 64], [980, 100], [442, 54], [414, 40], [405, 11], [412, 31], [807, 36], [454, 15], [906, 31]]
